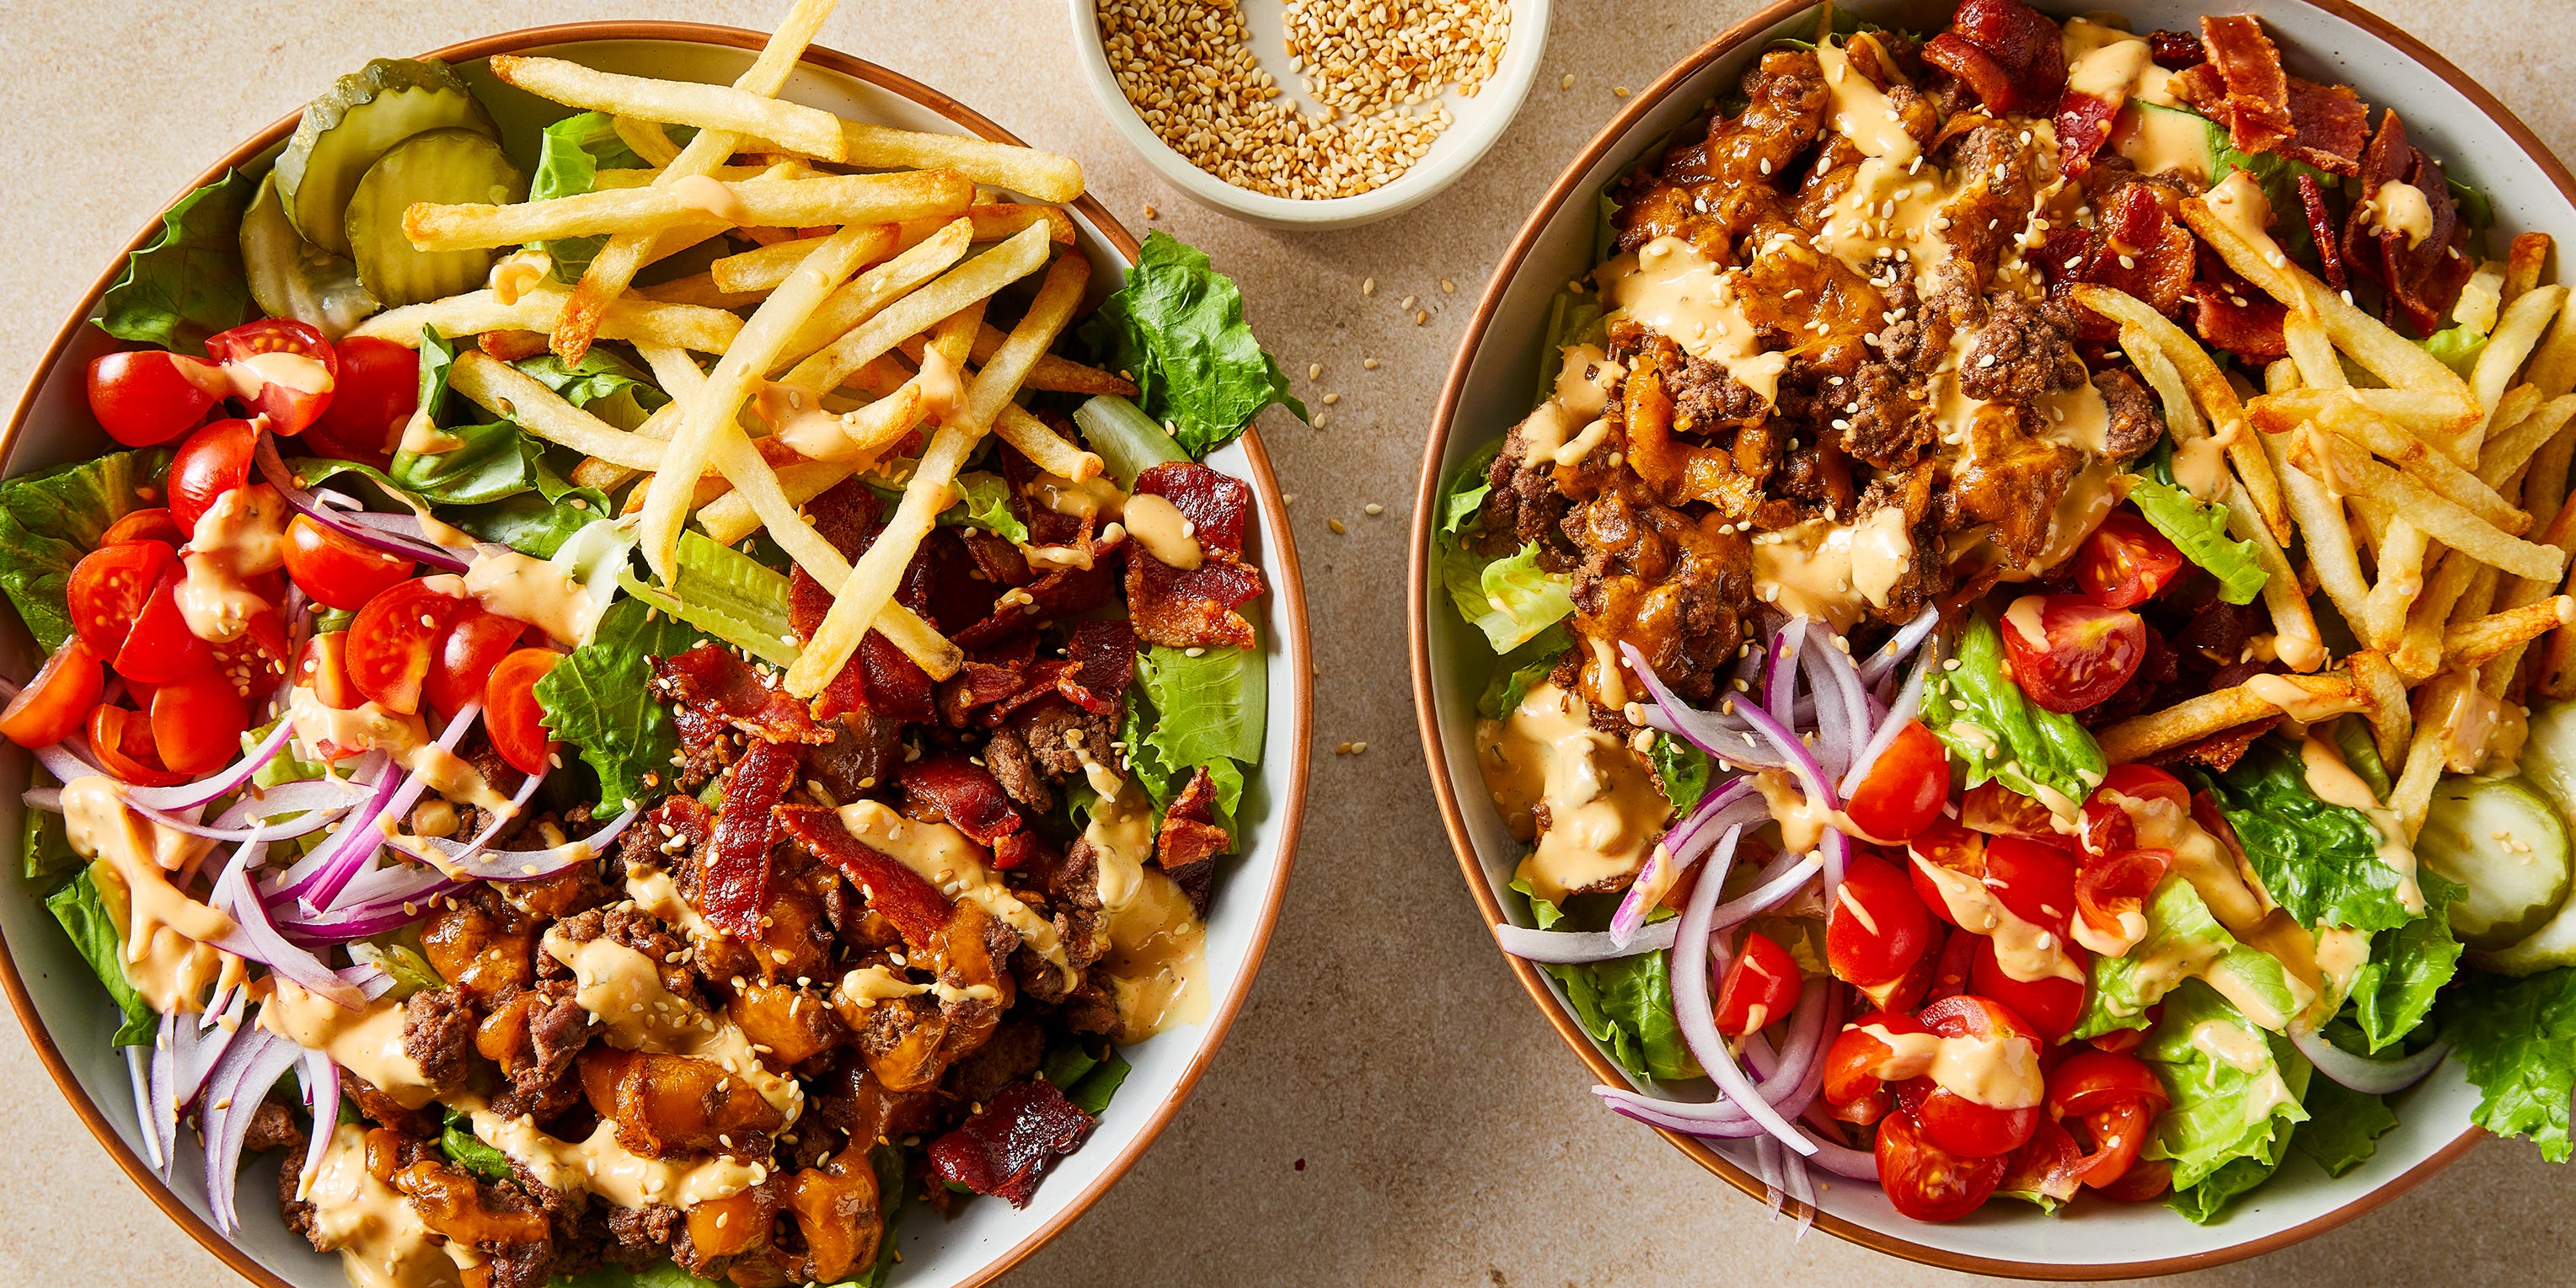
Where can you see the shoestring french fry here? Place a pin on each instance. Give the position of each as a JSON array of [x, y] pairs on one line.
[[2349, 470], [2523, 263], [647, 139], [692, 327], [824, 199], [976, 279], [2208, 386], [506, 391], [809, 130], [873, 290], [1043, 175], [1053, 373], [2516, 333]]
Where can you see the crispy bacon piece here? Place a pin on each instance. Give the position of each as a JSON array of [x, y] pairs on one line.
[[2423, 278], [1003, 1150], [2239, 319], [972, 801], [2083, 125], [712, 682], [1215, 505], [1047, 527], [733, 889], [1000, 561], [2329, 126], [1190, 840], [2138, 248], [904, 896], [879, 677], [1060, 593], [2321, 227], [2201, 88], [1195, 607], [1104, 661], [2012, 55], [2258, 91], [2175, 50]]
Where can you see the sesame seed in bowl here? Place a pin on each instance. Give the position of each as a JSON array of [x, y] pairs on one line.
[[1310, 113]]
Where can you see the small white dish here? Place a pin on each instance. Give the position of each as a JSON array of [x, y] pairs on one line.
[[1478, 123]]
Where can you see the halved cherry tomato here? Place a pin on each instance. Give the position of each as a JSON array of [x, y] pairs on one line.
[[324, 668], [2036, 882], [1853, 1090], [516, 723], [1957, 962], [1878, 928], [462, 666], [53, 705], [214, 460], [110, 586], [337, 569], [379, 385], [2053, 1004], [2126, 562], [147, 396], [122, 740], [1761, 984], [1997, 810], [2049, 1163], [197, 723], [2091, 1081], [2109, 822], [393, 643], [2068, 653], [161, 648], [1953, 1121], [2118, 1041], [2109, 889], [290, 393], [154, 524], [1943, 844], [2146, 1179], [255, 660], [1904, 790], [1926, 1182]]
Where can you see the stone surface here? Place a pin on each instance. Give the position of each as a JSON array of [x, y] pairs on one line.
[[1389, 1109]]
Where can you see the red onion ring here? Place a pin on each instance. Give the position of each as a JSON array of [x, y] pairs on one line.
[[1567, 947], [273, 468], [1693, 1011], [231, 779], [250, 1066]]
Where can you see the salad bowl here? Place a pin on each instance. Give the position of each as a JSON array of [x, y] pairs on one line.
[[68, 1021], [1491, 386]]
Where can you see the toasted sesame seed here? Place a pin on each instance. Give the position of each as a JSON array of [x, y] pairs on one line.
[[1373, 508], [1369, 363], [1336, 526]]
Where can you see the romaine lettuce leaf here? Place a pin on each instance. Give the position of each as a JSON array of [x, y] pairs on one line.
[[599, 700], [727, 594], [1176, 327], [468, 1151], [1626, 1004], [2181, 937], [1510, 599], [50, 518], [94, 932], [2395, 989], [2517, 1040], [985, 502], [2319, 862], [1519, 671], [1997, 734], [189, 283], [1681, 771], [1091, 1093], [1205, 708], [44, 844], [2458, 347], [2344, 1125], [603, 384], [2200, 533], [570, 155], [2235, 1091]]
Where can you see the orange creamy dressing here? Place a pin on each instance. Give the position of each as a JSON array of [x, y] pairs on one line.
[[2000, 1073]]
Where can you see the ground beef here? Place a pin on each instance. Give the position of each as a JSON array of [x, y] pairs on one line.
[[2019, 357], [643, 1229], [637, 929], [863, 753], [1012, 1055], [438, 1034], [384, 1110], [1007, 757], [296, 1212], [273, 1126], [539, 1030], [1706, 400], [675, 827], [1045, 726], [2134, 427], [1522, 505], [1888, 414]]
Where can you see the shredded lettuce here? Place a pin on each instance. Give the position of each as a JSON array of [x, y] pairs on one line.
[[2319, 862], [50, 518], [2516, 1038], [2200, 533], [570, 155], [189, 283], [599, 700], [1626, 1004], [1176, 327], [93, 930], [2236, 1093], [1997, 734]]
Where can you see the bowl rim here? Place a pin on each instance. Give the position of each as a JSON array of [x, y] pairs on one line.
[[1418, 585], [1287, 593], [1394, 198]]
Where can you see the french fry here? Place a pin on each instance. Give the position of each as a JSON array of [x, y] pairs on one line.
[[864, 594], [2350, 471], [2319, 367], [2383, 693], [2553, 362], [877, 288], [2193, 719], [511, 346], [2347, 416], [764, 268], [506, 391], [2521, 436], [2329, 539], [998, 381], [2436, 702], [1042, 175], [2516, 334], [699, 289], [2480, 297], [809, 130], [2209, 386], [2294, 627], [2475, 642], [647, 139], [2523, 264], [709, 421], [826, 199], [976, 279], [1045, 448], [1052, 373], [700, 330]]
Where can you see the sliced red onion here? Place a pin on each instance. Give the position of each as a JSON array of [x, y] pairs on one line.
[[1909, 701], [1571, 946], [231, 779], [234, 897], [371, 832], [273, 468], [390, 882], [528, 784], [1899, 647], [1786, 873], [295, 819], [1693, 1012], [1766, 1163], [1682, 847], [366, 920], [373, 981], [250, 1066], [1802, 1189], [1729, 741], [48, 799], [2364, 1074], [1780, 669], [1842, 706], [60, 761], [1840, 1159], [321, 1079], [138, 1070], [529, 865]]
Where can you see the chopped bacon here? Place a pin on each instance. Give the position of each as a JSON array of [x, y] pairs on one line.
[[2176, 50], [1047, 527], [2083, 125], [972, 801], [2329, 126], [2423, 278], [733, 888], [2138, 248], [1003, 1149], [710, 681], [2239, 319], [2201, 88], [1974, 67], [1193, 609], [1060, 593], [1104, 660], [2012, 55], [903, 896], [2258, 90], [2221, 750], [2312, 199], [1215, 505], [1000, 561], [1190, 840]]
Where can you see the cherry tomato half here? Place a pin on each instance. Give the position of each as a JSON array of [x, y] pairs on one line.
[[1878, 928], [2049, 1163], [337, 569], [1761, 984], [161, 648], [379, 385], [154, 524], [2036, 882], [147, 396], [1927, 1182], [324, 668], [2125, 796], [1997, 810], [110, 586], [1950, 976], [393, 643], [286, 366], [2090, 1081], [1854, 1090], [122, 741], [516, 723], [1952, 1121], [2147, 1179], [214, 460], [462, 666], [2053, 1004], [53, 705], [1944, 844], [2126, 562], [2111, 889], [1904, 790], [197, 723], [2068, 653]]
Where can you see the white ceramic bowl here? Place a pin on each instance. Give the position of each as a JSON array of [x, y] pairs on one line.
[[1479, 123], [69, 1019], [1488, 390]]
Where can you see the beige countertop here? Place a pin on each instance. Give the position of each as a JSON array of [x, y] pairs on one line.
[[1390, 1109]]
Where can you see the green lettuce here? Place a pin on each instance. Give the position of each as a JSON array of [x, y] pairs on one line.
[[1681, 771], [986, 504], [570, 155], [50, 518], [1521, 670], [2458, 347], [2344, 1125], [2183, 941], [1206, 708], [189, 283], [665, 1274], [1626, 1004], [1468, 488], [1997, 734], [2516, 1038], [2394, 990], [467, 1150], [1510, 599], [44, 844], [534, 522], [2200, 533], [2228, 1126], [599, 700], [489, 462], [94, 932], [603, 384], [1092, 1091], [1176, 328], [728, 595], [2319, 862]]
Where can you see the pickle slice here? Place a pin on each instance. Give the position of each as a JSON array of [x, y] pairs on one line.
[[442, 166], [293, 278], [343, 132]]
